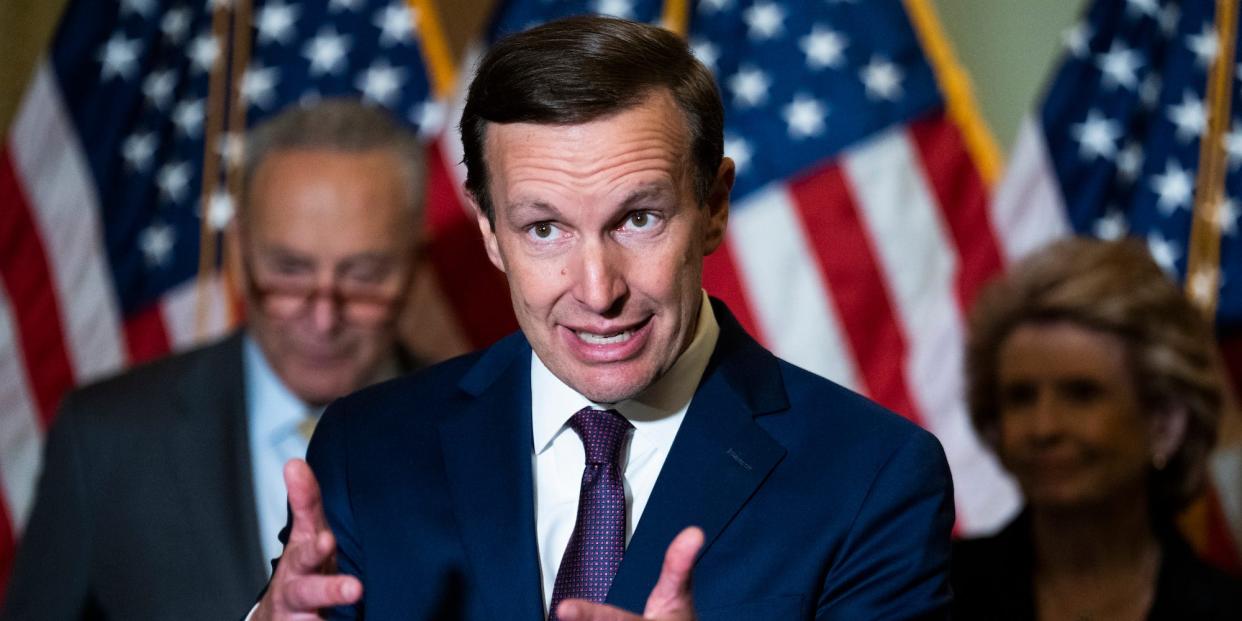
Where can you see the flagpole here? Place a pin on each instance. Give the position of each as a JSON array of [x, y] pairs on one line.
[[216, 95], [433, 42], [234, 154], [676, 16], [1203, 258]]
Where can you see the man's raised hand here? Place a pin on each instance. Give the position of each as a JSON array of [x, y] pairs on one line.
[[306, 580], [671, 598]]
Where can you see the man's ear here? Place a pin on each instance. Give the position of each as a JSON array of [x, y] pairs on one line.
[[1167, 431], [717, 205], [487, 231]]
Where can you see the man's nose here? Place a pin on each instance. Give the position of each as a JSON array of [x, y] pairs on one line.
[[325, 309], [601, 282]]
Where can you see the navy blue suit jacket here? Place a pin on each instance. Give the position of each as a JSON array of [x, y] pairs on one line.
[[816, 503]]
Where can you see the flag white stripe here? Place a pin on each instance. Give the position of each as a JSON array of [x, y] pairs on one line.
[[52, 169], [785, 286], [179, 309], [919, 264], [1027, 210], [21, 438]]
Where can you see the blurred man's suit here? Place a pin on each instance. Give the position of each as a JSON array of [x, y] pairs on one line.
[[166, 442], [816, 503]]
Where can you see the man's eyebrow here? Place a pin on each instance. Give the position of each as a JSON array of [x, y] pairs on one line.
[[647, 193], [530, 208]]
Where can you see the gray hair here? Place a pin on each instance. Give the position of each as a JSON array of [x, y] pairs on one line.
[[337, 124]]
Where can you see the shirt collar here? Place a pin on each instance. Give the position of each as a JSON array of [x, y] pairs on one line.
[[554, 401], [275, 412]]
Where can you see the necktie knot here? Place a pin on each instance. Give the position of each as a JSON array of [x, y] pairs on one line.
[[603, 434]]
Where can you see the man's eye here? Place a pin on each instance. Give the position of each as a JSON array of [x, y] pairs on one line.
[[641, 221], [544, 231]]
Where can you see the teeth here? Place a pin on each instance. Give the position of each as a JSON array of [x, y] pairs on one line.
[[600, 339]]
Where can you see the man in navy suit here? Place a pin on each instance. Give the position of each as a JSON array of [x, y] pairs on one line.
[[631, 434]]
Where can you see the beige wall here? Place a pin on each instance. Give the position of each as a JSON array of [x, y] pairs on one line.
[[1008, 48]]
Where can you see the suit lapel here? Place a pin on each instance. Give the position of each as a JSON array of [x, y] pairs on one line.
[[488, 458], [209, 453], [718, 459]]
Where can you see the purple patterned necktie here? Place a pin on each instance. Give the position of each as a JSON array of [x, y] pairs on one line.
[[598, 541]]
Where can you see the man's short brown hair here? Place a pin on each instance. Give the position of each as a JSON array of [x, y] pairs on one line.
[[580, 69]]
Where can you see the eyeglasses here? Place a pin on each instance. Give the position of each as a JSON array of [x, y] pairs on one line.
[[286, 298]]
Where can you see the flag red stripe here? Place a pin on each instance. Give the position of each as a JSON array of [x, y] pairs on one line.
[[36, 312], [476, 290], [8, 550], [721, 279], [963, 201], [146, 336], [851, 270]]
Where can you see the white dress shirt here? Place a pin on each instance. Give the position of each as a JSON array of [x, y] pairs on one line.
[[560, 458], [274, 415]]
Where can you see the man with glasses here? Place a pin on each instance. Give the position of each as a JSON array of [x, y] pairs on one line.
[[162, 495]]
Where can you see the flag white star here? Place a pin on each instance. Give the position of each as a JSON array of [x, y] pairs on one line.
[[738, 150], [1077, 39], [616, 8], [203, 52], [344, 5], [1233, 146], [1150, 8], [276, 22], [158, 87], [1173, 188], [1170, 15], [764, 20], [1111, 226], [396, 23], [1149, 91], [882, 79], [173, 180], [1226, 219], [220, 210], [1189, 116], [805, 117], [1130, 162], [750, 87], [119, 57], [231, 149], [1119, 66], [258, 85], [706, 52], [714, 6], [326, 52], [381, 82], [176, 24], [823, 47], [428, 116], [1205, 45], [141, 7], [1164, 252], [137, 149], [1097, 136], [156, 242], [188, 117], [1203, 284]]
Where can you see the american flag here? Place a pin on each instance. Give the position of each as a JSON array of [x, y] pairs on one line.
[[101, 212], [1114, 149]]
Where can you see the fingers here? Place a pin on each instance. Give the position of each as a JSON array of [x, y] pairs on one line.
[[580, 610], [311, 556], [671, 594], [304, 500], [311, 593]]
